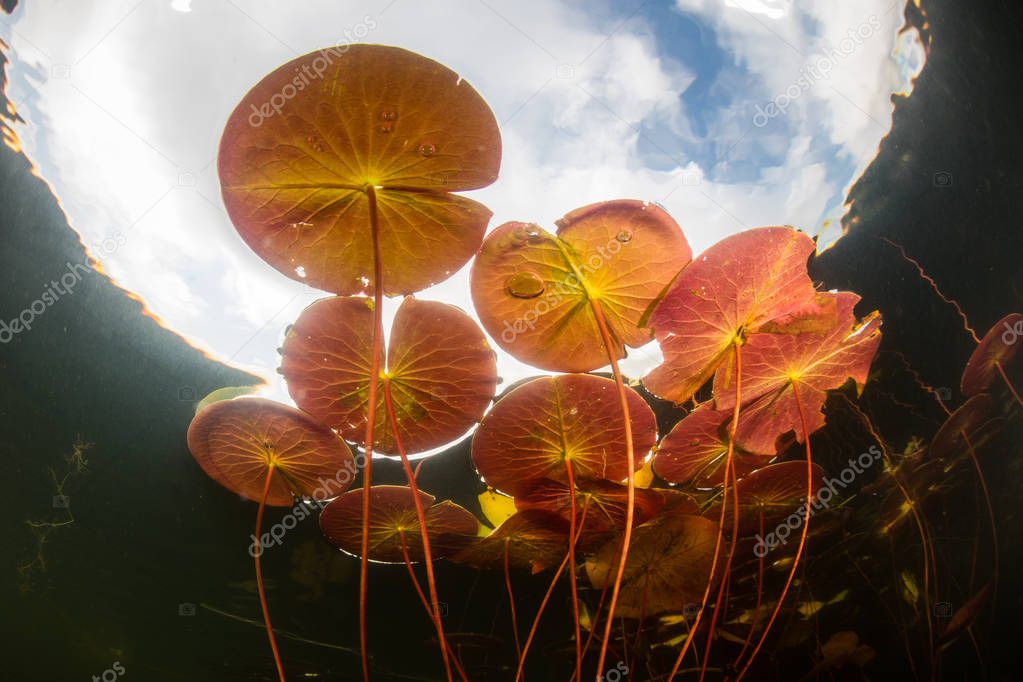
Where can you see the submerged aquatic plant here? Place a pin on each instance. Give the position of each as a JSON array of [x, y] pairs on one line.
[[351, 189]]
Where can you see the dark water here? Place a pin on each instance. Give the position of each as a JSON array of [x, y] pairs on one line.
[[116, 548]]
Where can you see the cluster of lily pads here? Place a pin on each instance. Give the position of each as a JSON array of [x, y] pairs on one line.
[[352, 190]]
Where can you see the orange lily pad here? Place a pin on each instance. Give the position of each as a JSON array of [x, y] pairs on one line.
[[533, 539], [745, 284], [533, 429], [440, 370], [237, 442], [533, 289], [605, 503], [300, 165], [998, 348], [668, 564], [817, 362], [392, 516], [694, 451]]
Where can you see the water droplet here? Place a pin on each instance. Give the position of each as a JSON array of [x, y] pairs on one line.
[[388, 115], [427, 149], [574, 411], [524, 285], [625, 236], [386, 127], [300, 271]]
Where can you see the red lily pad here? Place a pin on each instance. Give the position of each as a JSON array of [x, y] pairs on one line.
[[668, 565], [534, 540], [605, 503], [695, 450], [817, 362], [392, 516], [969, 426], [533, 290], [776, 491], [747, 283], [998, 348], [236, 442], [298, 166], [533, 429], [440, 369]]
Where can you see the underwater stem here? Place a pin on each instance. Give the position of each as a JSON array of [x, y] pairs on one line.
[[1008, 384], [259, 575], [511, 600], [721, 521], [424, 601], [374, 375], [546, 598], [802, 537], [421, 516], [630, 506], [571, 568]]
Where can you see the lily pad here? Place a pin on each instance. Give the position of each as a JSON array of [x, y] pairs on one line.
[[533, 289], [392, 516], [743, 285], [300, 167], [237, 442], [440, 371], [535, 428]]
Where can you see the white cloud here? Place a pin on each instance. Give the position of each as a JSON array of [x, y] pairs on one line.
[[132, 99]]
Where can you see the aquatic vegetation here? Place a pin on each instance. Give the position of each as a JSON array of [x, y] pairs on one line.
[[351, 188]]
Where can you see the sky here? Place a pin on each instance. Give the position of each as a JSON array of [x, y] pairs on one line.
[[731, 114]]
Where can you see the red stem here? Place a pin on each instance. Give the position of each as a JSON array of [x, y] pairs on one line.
[[259, 574], [630, 506], [421, 516], [423, 600], [721, 521], [511, 600], [374, 375], [1008, 384], [571, 568], [802, 537], [546, 598]]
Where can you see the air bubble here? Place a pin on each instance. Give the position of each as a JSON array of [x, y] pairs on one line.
[[524, 285]]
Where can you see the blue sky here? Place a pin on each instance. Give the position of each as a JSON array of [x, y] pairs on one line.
[[125, 101]]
